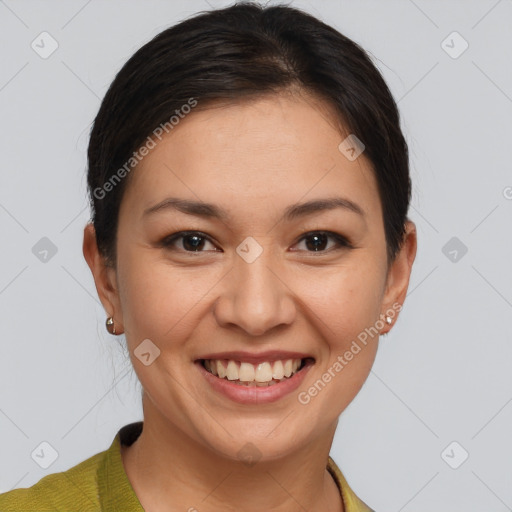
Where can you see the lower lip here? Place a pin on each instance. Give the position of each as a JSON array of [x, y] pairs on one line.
[[254, 394]]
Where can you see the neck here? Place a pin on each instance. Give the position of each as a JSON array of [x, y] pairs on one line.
[[169, 471]]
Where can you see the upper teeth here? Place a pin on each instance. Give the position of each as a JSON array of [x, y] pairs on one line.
[[248, 372]]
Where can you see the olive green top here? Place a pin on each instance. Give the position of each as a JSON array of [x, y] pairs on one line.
[[100, 483]]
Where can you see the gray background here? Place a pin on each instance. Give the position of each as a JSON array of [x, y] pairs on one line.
[[442, 375]]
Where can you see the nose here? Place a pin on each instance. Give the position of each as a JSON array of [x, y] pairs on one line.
[[256, 297]]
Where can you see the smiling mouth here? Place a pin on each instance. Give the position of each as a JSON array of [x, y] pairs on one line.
[[263, 374]]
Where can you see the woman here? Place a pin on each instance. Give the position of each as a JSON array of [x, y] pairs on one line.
[[249, 185]]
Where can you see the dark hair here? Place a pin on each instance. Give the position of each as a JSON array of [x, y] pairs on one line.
[[244, 51]]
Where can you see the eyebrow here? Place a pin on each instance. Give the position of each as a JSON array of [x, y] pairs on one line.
[[292, 212]]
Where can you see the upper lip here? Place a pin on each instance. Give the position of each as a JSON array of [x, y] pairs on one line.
[[261, 357]]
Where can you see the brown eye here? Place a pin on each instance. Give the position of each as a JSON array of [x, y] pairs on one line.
[[190, 241], [318, 241]]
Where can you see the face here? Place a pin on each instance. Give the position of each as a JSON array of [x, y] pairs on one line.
[[288, 262]]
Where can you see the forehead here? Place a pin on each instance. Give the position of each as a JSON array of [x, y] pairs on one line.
[[274, 150]]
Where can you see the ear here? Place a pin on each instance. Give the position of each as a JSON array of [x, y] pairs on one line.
[[104, 277], [398, 276]]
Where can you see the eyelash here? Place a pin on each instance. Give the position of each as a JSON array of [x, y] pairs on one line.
[[341, 242]]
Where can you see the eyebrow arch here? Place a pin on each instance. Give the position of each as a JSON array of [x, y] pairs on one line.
[[294, 211]]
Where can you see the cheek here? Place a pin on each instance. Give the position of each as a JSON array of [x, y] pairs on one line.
[[344, 306], [346, 312], [345, 299], [159, 301]]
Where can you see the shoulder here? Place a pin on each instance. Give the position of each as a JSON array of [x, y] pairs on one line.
[[74, 489]]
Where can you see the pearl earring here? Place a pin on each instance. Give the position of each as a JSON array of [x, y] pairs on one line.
[[111, 328]]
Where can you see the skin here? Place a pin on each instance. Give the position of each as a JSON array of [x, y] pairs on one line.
[[252, 158]]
